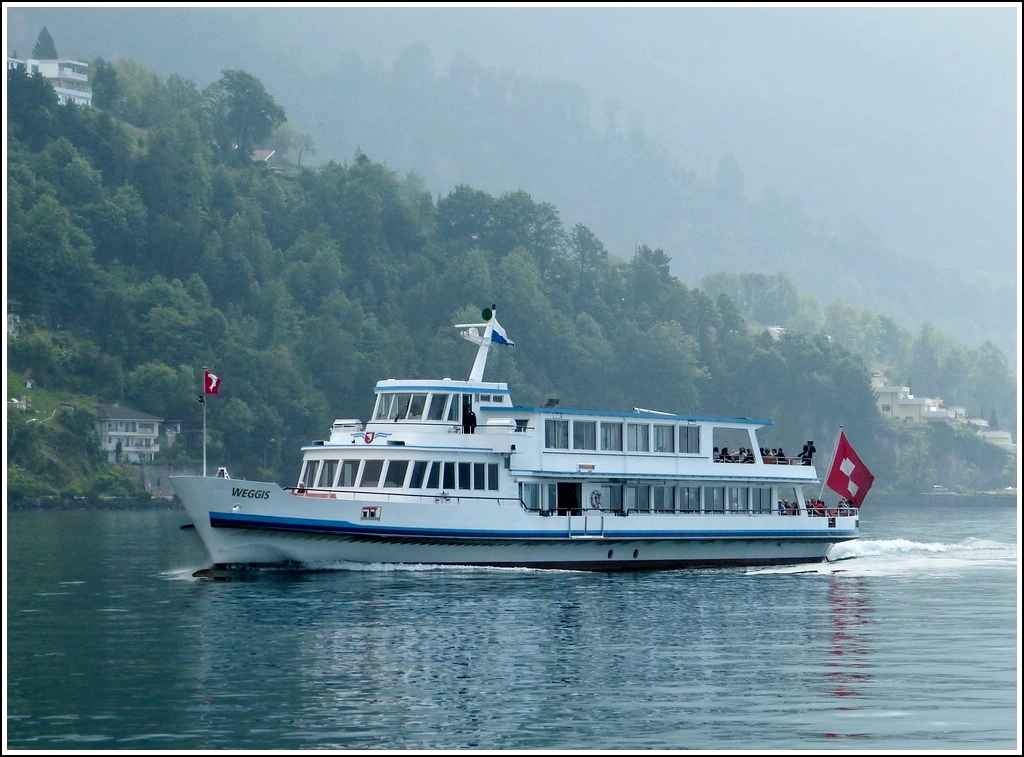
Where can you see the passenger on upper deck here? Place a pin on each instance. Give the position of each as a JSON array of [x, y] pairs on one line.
[[468, 420], [807, 453]]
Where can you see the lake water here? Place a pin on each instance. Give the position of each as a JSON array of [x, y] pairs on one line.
[[908, 640]]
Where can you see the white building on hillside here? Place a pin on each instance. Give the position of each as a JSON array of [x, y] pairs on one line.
[[70, 78]]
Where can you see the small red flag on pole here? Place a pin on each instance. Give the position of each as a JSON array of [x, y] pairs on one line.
[[211, 382]]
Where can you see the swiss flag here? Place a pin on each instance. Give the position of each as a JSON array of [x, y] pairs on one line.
[[211, 383], [849, 476]]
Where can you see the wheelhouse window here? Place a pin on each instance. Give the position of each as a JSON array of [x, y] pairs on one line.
[[556, 434], [435, 410], [434, 477], [327, 471], [371, 473], [416, 406], [449, 476], [419, 472], [611, 436], [383, 407], [349, 468], [638, 437], [308, 477], [584, 434], [396, 473]]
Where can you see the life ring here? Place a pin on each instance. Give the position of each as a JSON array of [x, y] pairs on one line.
[[595, 500]]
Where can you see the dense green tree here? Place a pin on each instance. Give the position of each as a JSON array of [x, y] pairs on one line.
[[242, 114], [31, 107]]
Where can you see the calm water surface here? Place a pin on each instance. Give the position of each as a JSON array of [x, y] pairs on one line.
[[908, 640]]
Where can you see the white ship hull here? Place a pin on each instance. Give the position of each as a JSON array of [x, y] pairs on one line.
[[247, 523]]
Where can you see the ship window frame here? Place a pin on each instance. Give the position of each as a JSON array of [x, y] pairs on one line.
[[392, 478], [437, 400], [529, 493], [417, 404], [663, 438], [448, 475], [638, 497], [348, 473], [556, 433], [584, 434], [663, 498], [714, 499], [434, 475], [611, 436], [328, 470], [368, 466], [688, 498], [419, 474], [689, 439], [637, 441]]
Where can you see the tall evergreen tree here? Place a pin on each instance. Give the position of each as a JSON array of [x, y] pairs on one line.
[[44, 49]]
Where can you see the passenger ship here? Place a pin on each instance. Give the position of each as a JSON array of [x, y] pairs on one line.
[[424, 482]]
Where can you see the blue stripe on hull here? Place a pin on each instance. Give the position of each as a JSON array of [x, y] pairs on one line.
[[384, 533]]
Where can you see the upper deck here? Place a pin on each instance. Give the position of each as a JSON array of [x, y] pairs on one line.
[[476, 417]]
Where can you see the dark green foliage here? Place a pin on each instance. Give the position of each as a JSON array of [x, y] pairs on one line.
[[137, 260], [242, 114], [45, 48]]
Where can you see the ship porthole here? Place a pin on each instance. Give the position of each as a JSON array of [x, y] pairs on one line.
[[636, 553], [610, 553]]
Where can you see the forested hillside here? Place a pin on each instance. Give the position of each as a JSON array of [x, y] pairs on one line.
[[144, 244]]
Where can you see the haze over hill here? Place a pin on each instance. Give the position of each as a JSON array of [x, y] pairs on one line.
[[903, 119]]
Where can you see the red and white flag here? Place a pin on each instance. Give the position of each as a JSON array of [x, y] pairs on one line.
[[211, 383], [849, 476]]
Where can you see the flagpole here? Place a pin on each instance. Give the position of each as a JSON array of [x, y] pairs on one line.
[[204, 432], [835, 449]]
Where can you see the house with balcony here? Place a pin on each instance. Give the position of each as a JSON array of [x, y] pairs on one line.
[[898, 403], [70, 78], [127, 435]]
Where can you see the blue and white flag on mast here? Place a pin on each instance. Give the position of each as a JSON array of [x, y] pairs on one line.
[[498, 335]]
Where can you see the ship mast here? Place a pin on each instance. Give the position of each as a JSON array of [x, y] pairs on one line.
[[470, 334]]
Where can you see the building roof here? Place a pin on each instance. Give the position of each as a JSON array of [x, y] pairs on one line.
[[117, 412]]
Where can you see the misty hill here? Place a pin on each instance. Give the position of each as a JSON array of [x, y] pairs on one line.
[[498, 130], [141, 251]]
